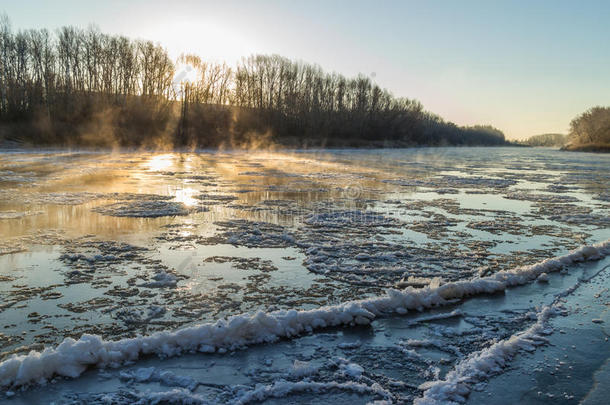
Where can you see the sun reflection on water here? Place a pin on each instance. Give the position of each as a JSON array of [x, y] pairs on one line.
[[160, 162], [186, 196]]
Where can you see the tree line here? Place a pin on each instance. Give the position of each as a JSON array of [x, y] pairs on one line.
[[546, 140], [81, 86], [592, 127]]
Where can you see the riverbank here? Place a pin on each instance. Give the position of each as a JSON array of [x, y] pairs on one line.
[[289, 144], [589, 147]]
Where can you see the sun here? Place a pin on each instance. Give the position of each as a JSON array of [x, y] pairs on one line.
[[185, 74], [214, 41]]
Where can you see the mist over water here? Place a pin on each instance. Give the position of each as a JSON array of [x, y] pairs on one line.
[[404, 211]]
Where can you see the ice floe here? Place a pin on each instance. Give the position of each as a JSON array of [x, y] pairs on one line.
[[348, 219], [72, 357], [18, 214], [478, 367], [146, 209], [252, 234], [160, 280], [280, 389], [164, 377]]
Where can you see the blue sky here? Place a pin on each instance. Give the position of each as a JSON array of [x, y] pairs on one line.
[[526, 67]]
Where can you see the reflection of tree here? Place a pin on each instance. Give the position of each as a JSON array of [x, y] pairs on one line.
[[183, 127]]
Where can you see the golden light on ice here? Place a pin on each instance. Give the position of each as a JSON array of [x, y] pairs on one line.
[[186, 196], [160, 162]]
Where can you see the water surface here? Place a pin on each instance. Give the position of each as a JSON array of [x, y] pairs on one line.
[[121, 244]]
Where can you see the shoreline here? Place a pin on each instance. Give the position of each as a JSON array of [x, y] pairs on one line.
[[591, 147], [271, 148]]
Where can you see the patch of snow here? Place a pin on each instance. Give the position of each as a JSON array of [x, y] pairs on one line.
[[282, 388], [352, 370], [437, 344], [161, 280], [145, 209], [448, 182], [302, 369], [447, 315], [163, 377], [479, 366], [341, 219], [349, 345], [174, 396], [254, 234], [541, 198]]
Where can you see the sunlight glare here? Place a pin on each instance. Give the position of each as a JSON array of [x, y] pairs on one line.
[[160, 163], [185, 196], [213, 40], [185, 73]]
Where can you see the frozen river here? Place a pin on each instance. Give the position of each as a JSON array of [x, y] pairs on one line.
[[350, 267]]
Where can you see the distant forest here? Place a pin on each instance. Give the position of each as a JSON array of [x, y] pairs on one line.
[[548, 140], [85, 88]]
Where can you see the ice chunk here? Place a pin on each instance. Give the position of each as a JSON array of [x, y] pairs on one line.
[[72, 357]]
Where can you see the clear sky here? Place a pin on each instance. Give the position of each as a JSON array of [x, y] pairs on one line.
[[526, 67]]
